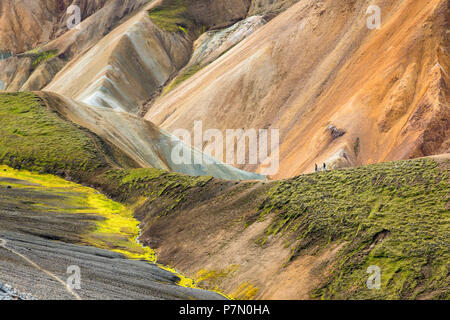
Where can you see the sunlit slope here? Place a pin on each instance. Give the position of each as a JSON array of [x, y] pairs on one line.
[[58, 221], [48, 133], [313, 236], [36, 138], [318, 67], [31, 31], [116, 229], [125, 67]]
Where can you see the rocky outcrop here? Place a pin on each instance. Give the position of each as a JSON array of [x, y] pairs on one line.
[[9, 293], [212, 44], [313, 236]]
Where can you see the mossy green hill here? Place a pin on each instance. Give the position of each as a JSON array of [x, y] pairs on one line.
[[36, 138], [392, 215]]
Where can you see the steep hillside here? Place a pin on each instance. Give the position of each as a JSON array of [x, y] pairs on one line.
[[52, 134], [316, 70], [24, 25], [27, 58], [109, 78], [160, 39], [89, 160], [141, 140], [33, 137], [49, 224], [313, 236], [211, 45], [269, 6]]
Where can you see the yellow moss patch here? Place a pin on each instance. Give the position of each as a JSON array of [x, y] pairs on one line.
[[117, 232], [246, 291], [213, 278]]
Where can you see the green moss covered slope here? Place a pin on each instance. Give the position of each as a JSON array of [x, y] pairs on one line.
[[391, 215], [35, 138]]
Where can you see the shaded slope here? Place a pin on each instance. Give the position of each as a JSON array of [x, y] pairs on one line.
[[193, 16], [26, 24], [313, 236], [316, 67], [159, 38], [212, 44]]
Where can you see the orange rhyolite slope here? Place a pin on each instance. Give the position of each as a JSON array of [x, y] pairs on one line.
[[317, 66]]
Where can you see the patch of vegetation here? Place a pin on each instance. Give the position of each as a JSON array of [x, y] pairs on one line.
[[212, 279], [117, 229], [189, 72], [41, 57], [405, 200], [356, 146], [171, 16], [37, 139], [246, 291]]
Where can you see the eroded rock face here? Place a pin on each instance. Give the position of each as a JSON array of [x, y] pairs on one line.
[[14, 72], [318, 63], [26, 24], [213, 44], [9, 293], [125, 67], [217, 13], [141, 140], [99, 17]]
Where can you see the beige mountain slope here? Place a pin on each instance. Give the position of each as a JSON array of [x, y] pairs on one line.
[[210, 46], [141, 140], [109, 78], [339, 92], [42, 27], [125, 67], [25, 24], [120, 71]]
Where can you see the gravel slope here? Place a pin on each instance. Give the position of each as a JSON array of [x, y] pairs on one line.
[[36, 248]]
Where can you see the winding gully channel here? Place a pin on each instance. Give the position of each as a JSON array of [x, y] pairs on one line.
[[50, 227]]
